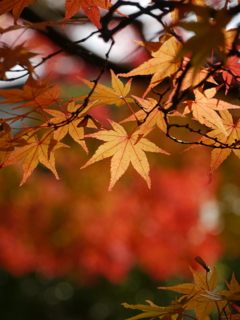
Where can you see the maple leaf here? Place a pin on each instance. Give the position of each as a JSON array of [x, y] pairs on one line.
[[162, 65], [209, 35], [192, 79], [233, 286], [76, 132], [229, 38], [154, 47], [116, 95], [233, 136], [11, 57], [203, 109], [198, 296], [35, 151], [37, 92], [31, 90], [44, 100], [234, 66], [124, 149], [218, 155], [154, 311], [148, 121], [7, 142], [16, 6], [42, 26], [196, 291], [90, 7], [40, 95]]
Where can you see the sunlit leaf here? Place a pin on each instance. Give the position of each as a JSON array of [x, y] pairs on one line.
[[125, 149]]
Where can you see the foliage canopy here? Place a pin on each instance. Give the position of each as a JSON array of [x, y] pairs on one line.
[[187, 77]]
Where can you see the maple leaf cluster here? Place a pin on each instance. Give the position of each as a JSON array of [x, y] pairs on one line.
[[200, 297], [77, 229], [187, 77]]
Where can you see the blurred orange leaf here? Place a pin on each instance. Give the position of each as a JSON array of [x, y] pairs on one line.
[[233, 130], [35, 151], [233, 286], [10, 57], [31, 90], [7, 143], [209, 32], [16, 6]]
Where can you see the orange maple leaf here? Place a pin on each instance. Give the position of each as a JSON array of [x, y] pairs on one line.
[[7, 142], [16, 6], [76, 132], [150, 115], [209, 32], [124, 149], [44, 99], [6, 146], [203, 109], [115, 95], [161, 66], [11, 57], [233, 137], [192, 79], [31, 90], [229, 36], [35, 151], [218, 155], [90, 7], [37, 93]]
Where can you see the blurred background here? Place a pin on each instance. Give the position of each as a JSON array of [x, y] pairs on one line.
[[70, 249]]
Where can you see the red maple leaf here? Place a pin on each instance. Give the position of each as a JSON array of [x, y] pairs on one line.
[[234, 70], [90, 7]]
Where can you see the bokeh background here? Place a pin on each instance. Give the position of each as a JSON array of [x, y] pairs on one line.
[[70, 249]]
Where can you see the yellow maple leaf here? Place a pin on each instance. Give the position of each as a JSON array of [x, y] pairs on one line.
[[116, 95], [162, 65], [125, 149], [219, 155], [203, 109], [233, 130], [76, 132], [35, 151]]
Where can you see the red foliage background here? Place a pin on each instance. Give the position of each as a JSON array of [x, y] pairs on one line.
[[75, 226]]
